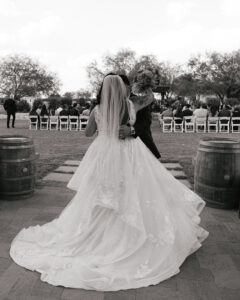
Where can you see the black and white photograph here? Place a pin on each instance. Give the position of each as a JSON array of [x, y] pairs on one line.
[[120, 150]]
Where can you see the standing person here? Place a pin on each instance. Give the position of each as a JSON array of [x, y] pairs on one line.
[[130, 224], [11, 109]]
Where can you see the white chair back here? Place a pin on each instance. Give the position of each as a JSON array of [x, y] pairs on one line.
[[73, 122], [167, 124], [235, 125], [189, 124], [63, 123], [44, 121], [177, 124], [53, 123], [212, 124], [33, 122], [83, 121], [201, 124], [224, 124]]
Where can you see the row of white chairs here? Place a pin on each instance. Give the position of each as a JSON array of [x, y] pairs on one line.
[[62, 123], [194, 124]]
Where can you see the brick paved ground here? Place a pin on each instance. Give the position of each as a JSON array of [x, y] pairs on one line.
[[213, 272]]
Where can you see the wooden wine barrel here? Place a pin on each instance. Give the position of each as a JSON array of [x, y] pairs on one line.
[[17, 166], [217, 172]]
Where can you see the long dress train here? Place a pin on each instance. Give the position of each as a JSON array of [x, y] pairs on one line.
[[120, 231]]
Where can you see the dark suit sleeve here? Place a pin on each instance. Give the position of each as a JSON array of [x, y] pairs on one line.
[[5, 105], [15, 107]]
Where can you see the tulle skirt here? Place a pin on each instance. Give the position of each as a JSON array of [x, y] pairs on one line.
[[130, 224]]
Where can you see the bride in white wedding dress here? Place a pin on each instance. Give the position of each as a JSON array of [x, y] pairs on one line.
[[130, 224]]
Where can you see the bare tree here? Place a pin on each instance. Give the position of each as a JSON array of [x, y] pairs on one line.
[[20, 76], [218, 73], [126, 62], [120, 63]]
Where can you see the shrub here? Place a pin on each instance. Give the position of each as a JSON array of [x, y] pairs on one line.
[[232, 101], [213, 102], [54, 103], [23, 106], [81, 101], [66, 101]]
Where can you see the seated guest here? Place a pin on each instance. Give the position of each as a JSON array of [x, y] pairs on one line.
[[86, 111], [80, 109], [34, 112], [225, 111], [38, 110], [58, 110], [44, 111], [73, 111], [236, 111], [187, 112], [168, 112], [201, 112], [213, 111], [178, 114], [64, 111]]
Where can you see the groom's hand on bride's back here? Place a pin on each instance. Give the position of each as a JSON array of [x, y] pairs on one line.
[[124, 132]]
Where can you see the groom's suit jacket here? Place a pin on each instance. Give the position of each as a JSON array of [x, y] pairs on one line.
[[142, 128]]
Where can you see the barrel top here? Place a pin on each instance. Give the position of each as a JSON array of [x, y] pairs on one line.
[[220, 142], [13, 139]]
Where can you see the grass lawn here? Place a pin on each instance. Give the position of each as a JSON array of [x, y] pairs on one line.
[[55, 147]]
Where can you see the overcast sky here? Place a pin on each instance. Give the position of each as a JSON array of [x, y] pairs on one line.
[[66, 35]]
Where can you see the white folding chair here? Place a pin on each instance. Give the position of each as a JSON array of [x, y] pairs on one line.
[[44, 121], [160, 120], [63, 123], [177, 124], [201, 124], [224, 124], [73, 122], [189, 124], [53, 123], [235, 125], [83, 121], [33, 122], [212, 124], [167, 124]]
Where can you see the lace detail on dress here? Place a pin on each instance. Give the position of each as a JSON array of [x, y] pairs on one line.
[[143, 270]]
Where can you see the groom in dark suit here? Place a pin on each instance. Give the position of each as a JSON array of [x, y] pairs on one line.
[[142, 126]]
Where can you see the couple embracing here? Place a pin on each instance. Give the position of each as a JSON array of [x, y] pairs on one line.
[[131, 223]]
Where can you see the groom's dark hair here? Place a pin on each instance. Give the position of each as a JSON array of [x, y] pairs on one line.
[[124, 79]]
